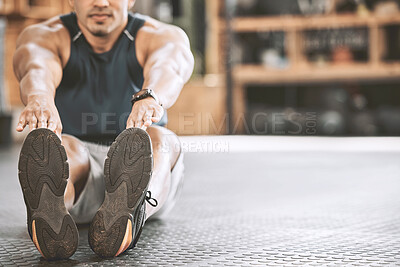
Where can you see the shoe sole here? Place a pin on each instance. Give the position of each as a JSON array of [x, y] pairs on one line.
[[127, 172], [43, 174]]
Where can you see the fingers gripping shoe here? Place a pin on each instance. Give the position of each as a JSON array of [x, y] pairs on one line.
[[43, 174], [117, 224]]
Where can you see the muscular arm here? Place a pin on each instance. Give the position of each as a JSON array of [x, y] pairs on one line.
[[38, 68], [169, 64], [164, 52]]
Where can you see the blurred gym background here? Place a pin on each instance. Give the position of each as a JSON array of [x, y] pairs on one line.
[[263, 67]]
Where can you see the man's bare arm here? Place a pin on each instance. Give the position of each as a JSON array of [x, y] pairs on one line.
[[38, 68], [167, 65]]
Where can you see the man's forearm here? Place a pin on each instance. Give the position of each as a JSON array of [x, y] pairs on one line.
[[167, 65], [166, 83], [36, 83], [37, 94]]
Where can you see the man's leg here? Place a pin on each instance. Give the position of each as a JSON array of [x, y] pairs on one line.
[[166, 150], [131, 171], [79, 167]]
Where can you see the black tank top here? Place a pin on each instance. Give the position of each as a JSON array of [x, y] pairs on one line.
[[93, 98]]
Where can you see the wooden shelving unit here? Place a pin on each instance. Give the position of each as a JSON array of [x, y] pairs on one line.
[[300, 70], [215, 51], [255, 74], [287, 23], [293, 28]]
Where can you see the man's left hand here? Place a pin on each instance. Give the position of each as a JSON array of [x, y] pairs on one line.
[[144, 113]]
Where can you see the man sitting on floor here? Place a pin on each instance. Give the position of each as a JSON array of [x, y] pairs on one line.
[[77, 75]]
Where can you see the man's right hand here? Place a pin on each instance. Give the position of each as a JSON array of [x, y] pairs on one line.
[[40, 112]]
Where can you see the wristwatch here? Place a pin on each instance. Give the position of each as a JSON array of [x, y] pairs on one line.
[[145, 93]]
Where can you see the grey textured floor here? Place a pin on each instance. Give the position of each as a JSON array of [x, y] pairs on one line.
[[266, 208]]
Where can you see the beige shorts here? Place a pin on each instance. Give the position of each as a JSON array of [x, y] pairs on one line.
[[93, 193]]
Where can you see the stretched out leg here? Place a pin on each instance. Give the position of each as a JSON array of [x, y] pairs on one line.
[[118, 223], [79, 167], [166, 150]]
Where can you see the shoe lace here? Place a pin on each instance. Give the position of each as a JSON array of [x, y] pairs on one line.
[[152, 201]]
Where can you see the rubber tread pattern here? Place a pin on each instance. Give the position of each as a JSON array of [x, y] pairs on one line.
[[46, 159], [128, 165], [43, 174], [57, 246]]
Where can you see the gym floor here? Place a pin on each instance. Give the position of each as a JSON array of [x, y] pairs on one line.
[[268, 201]]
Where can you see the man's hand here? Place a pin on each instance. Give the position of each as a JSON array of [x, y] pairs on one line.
[[40, 112], [144, 113]]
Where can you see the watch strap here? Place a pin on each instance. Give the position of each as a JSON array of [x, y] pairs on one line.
[[144, 93]]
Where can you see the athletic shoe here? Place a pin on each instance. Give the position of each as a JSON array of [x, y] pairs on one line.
[[118, 223], [43, 174]]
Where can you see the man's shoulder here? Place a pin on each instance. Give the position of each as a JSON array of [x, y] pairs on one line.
[[153, 27], [51, 30]]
